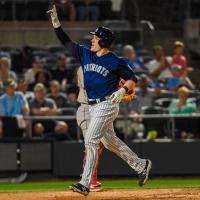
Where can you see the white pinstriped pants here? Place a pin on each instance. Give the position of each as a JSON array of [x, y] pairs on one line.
[[101, 129]]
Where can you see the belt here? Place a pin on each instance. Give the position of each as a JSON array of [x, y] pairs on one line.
[[95, 101]]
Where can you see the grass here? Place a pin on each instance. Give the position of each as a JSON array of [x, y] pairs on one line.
[[108, 184]]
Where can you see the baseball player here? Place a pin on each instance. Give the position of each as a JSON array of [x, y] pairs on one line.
[[83, 120], [102, 71]]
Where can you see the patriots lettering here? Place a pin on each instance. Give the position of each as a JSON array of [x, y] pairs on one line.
[[96, 68]]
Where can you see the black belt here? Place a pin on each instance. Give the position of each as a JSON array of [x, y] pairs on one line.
[[94, 101]]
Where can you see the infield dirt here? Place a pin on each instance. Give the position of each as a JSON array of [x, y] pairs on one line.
[[115, 194]]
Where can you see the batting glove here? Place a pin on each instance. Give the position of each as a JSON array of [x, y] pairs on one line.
[[117, 96], [54, 17]]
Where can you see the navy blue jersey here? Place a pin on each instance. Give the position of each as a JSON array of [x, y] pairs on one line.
[[102, 74]]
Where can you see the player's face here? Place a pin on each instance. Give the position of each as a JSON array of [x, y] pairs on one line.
[[95, 47]]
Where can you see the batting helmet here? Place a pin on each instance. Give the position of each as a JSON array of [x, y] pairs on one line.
[[106, 36]]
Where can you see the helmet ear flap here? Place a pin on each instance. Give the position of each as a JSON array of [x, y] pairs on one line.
[[102, 44]]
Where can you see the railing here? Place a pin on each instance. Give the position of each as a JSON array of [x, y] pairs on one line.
[[171, 118]]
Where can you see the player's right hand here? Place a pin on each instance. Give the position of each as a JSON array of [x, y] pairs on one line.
[[54, 17]]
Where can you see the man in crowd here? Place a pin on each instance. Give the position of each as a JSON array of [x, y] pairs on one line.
[[42, 106], [5, 70], [55, 94], [160, 67], [13, 104], [62, 73], [130, 54], [35, 67]]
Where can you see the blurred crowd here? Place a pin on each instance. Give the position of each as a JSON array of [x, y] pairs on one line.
[[42, 82]]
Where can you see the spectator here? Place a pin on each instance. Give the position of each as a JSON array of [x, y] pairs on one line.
[[179, 79], [186, 127], [62, 73], [13, 106], [88, 10], [72, 100], [182, 105], [55, 94], [145, 93], [159, 67], [13, 103], [129, 52], [23, 87], [5, 72], [42, 106], [116, 8], [43, 77], [66, 8], [178, 57], [35, 67]]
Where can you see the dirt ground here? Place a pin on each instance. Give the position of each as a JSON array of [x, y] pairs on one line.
[[139, 194]]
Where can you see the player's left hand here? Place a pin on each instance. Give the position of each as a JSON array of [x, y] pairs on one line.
[[117, 96], [128, 97]]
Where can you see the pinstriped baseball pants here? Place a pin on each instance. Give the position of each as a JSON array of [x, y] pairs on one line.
[[101, 129]]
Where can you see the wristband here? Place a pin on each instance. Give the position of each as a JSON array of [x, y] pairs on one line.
[[126, 88]]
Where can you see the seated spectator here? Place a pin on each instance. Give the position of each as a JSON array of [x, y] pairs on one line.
[[42, 106], [30, 73], [179, 58], [66, 9], [88, 10], [179, 79], [55, 94], [13, 103], [129, 52], [62, 73], [5, 70], [183, 105], [160, 67], [145, 93], [72, 100], [13, 106], [42, 76], [23, 87]]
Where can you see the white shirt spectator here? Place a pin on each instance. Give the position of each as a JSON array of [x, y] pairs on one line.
[[154, 64]]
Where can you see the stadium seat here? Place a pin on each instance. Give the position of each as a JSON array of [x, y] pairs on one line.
[[162, 102], [161, 125]]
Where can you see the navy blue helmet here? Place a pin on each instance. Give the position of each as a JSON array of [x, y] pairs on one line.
[[106, 36]]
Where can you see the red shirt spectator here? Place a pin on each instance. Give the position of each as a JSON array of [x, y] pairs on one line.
[[179, 58]]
